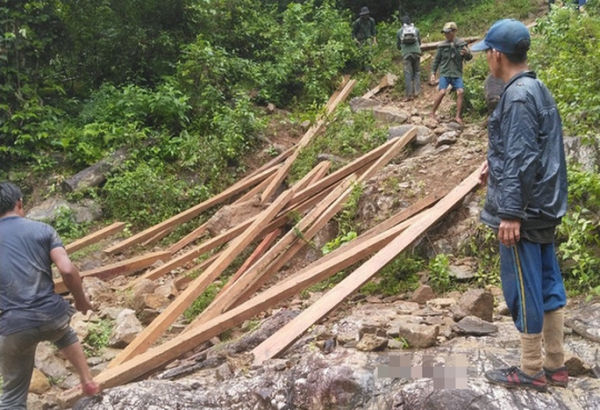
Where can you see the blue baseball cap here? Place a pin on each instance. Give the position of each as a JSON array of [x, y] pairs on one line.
[[504, 36]]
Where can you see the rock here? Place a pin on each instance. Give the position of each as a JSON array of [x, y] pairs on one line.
[[146, 316], [395, 344], [39, 382], [48, 363], [127, 327], [86, 211], [503, 309], [97, 290], [423, 294], [80, 325], [358, 104], [232, 215], [144, 286], [441, 303], [224, 372], [584, 151], [399, 131], [476, 302], [305, 125], [430, 122], [576, 366], [109, 312], [271, 108], [390, 114], [416, 120], [418, 336], [474, 326], [461, 272], [454, 126], [406, 308], [155, 301], [48, 210], [447, 138], [371, 343]]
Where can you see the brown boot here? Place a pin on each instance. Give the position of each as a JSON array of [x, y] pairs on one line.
[[554, 361]]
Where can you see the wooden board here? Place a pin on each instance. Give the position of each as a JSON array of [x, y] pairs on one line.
[[434, 45], [191, 213], [306, 139], [229, 296], [161, 355], [189, 238], [95, 237], [283, 338], [159, 325], [125, 267]]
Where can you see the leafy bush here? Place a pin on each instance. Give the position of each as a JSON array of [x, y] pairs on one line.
[[400, 275], [565, 55], [147, 195]]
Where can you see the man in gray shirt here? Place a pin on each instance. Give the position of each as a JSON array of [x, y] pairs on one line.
[[30, 310]]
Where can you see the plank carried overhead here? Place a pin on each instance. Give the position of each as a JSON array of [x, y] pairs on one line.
[[283, 338]]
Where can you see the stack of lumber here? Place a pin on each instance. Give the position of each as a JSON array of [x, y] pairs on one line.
[[308, 205]]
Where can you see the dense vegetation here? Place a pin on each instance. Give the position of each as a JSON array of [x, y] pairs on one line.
[[183, 85]]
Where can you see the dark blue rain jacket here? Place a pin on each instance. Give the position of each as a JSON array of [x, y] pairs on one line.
[[526, 159]]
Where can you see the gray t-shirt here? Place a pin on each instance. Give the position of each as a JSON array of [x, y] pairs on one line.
[[27, 297]]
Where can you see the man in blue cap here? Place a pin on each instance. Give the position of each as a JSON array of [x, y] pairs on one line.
[[526, 198]]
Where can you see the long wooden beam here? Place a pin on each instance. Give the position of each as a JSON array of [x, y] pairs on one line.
[[159, 325], [191, 213], [124, 267], [95, 237], [228, 296], [160, 355], [306, 139], [283, 338]]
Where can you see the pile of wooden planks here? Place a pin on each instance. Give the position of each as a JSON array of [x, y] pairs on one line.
[[308, 205]]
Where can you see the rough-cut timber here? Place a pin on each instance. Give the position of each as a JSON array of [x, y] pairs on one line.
[[192, 212], [159, 325], [306, 139], [124, 267], [282, 339], [95, 237], [228, 296], [434, 45], [316, 272]]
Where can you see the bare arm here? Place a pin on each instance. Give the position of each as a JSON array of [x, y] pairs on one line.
[[70, 275]]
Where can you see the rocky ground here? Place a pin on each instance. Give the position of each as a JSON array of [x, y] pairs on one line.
[[338, 365]]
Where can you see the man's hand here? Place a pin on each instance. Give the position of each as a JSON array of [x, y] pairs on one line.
[[484, 173], [432, 79], [83, 305], [509, 232], [374, 41], [464, 51]]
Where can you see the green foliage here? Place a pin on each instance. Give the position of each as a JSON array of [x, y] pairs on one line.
[[565, 56], [440, 279], [400, 275], [577, 236], [484, 246], [148, 194], [97, 339], [66, 226], [347, 135], [337, 242], [202, 302]]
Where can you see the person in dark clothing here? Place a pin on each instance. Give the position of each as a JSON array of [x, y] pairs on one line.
[[526, 177], [363, 28], [408, 41], [30, 310]]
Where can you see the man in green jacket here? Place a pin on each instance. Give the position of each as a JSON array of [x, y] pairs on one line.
[[408, 41], [363, 29], [449, 59]]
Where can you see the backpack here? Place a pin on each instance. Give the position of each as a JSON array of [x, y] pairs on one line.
[[409, 34]]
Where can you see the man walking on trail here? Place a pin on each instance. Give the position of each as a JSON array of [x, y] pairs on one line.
[[363, 28], [526, 198], [449, 59], [408, 41], [30, 311]]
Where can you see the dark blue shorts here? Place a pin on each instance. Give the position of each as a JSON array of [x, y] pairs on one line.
[[455, 82], [531, 282]]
